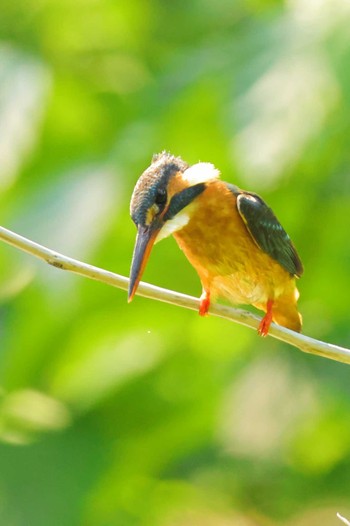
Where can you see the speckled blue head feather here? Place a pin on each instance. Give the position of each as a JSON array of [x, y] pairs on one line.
[[152, 183]]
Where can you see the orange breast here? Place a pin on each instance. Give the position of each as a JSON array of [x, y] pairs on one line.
[[228, 261]]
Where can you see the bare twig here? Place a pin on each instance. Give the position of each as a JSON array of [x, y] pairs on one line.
[[345, 521], [304, 343]]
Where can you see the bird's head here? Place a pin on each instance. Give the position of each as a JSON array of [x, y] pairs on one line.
[[161, 204]]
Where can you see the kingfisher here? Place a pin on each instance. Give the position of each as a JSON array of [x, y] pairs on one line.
[[232, 238]]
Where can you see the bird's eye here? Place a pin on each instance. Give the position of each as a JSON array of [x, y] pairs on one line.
[[161, 197]]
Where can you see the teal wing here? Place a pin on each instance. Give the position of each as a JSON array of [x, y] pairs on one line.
[[267, 231]]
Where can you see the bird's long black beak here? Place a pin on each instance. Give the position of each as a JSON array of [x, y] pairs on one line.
[[145, 239]]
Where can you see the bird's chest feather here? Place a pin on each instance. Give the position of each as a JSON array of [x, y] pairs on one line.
[[218, 245]]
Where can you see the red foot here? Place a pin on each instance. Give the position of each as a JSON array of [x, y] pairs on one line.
[[266, 321], [205, 303]]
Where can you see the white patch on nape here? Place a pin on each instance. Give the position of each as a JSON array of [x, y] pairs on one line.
[[173, 225], [200, 173]]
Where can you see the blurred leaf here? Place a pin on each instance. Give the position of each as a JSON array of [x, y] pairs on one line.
[[24, 89]]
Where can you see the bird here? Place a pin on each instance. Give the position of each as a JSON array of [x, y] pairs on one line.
[[231, 237]]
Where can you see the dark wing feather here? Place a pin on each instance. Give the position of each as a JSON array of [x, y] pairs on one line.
[[267, 232]]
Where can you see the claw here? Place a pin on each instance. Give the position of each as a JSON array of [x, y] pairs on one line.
[[266, 321], [204, 303]]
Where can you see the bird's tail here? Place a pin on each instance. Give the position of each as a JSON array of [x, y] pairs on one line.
[[285, 312]]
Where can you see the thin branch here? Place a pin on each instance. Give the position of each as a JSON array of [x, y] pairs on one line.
[[304, 343], [345, 521]]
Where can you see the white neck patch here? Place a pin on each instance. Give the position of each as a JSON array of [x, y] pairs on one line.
[[173, 225], [200, 173]]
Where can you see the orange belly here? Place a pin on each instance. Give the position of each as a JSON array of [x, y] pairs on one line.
[[229, 263]]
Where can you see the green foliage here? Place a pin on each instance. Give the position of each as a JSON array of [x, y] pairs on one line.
[[144, 414]]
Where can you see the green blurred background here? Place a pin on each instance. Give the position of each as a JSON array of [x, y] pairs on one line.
[[145, 414]]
